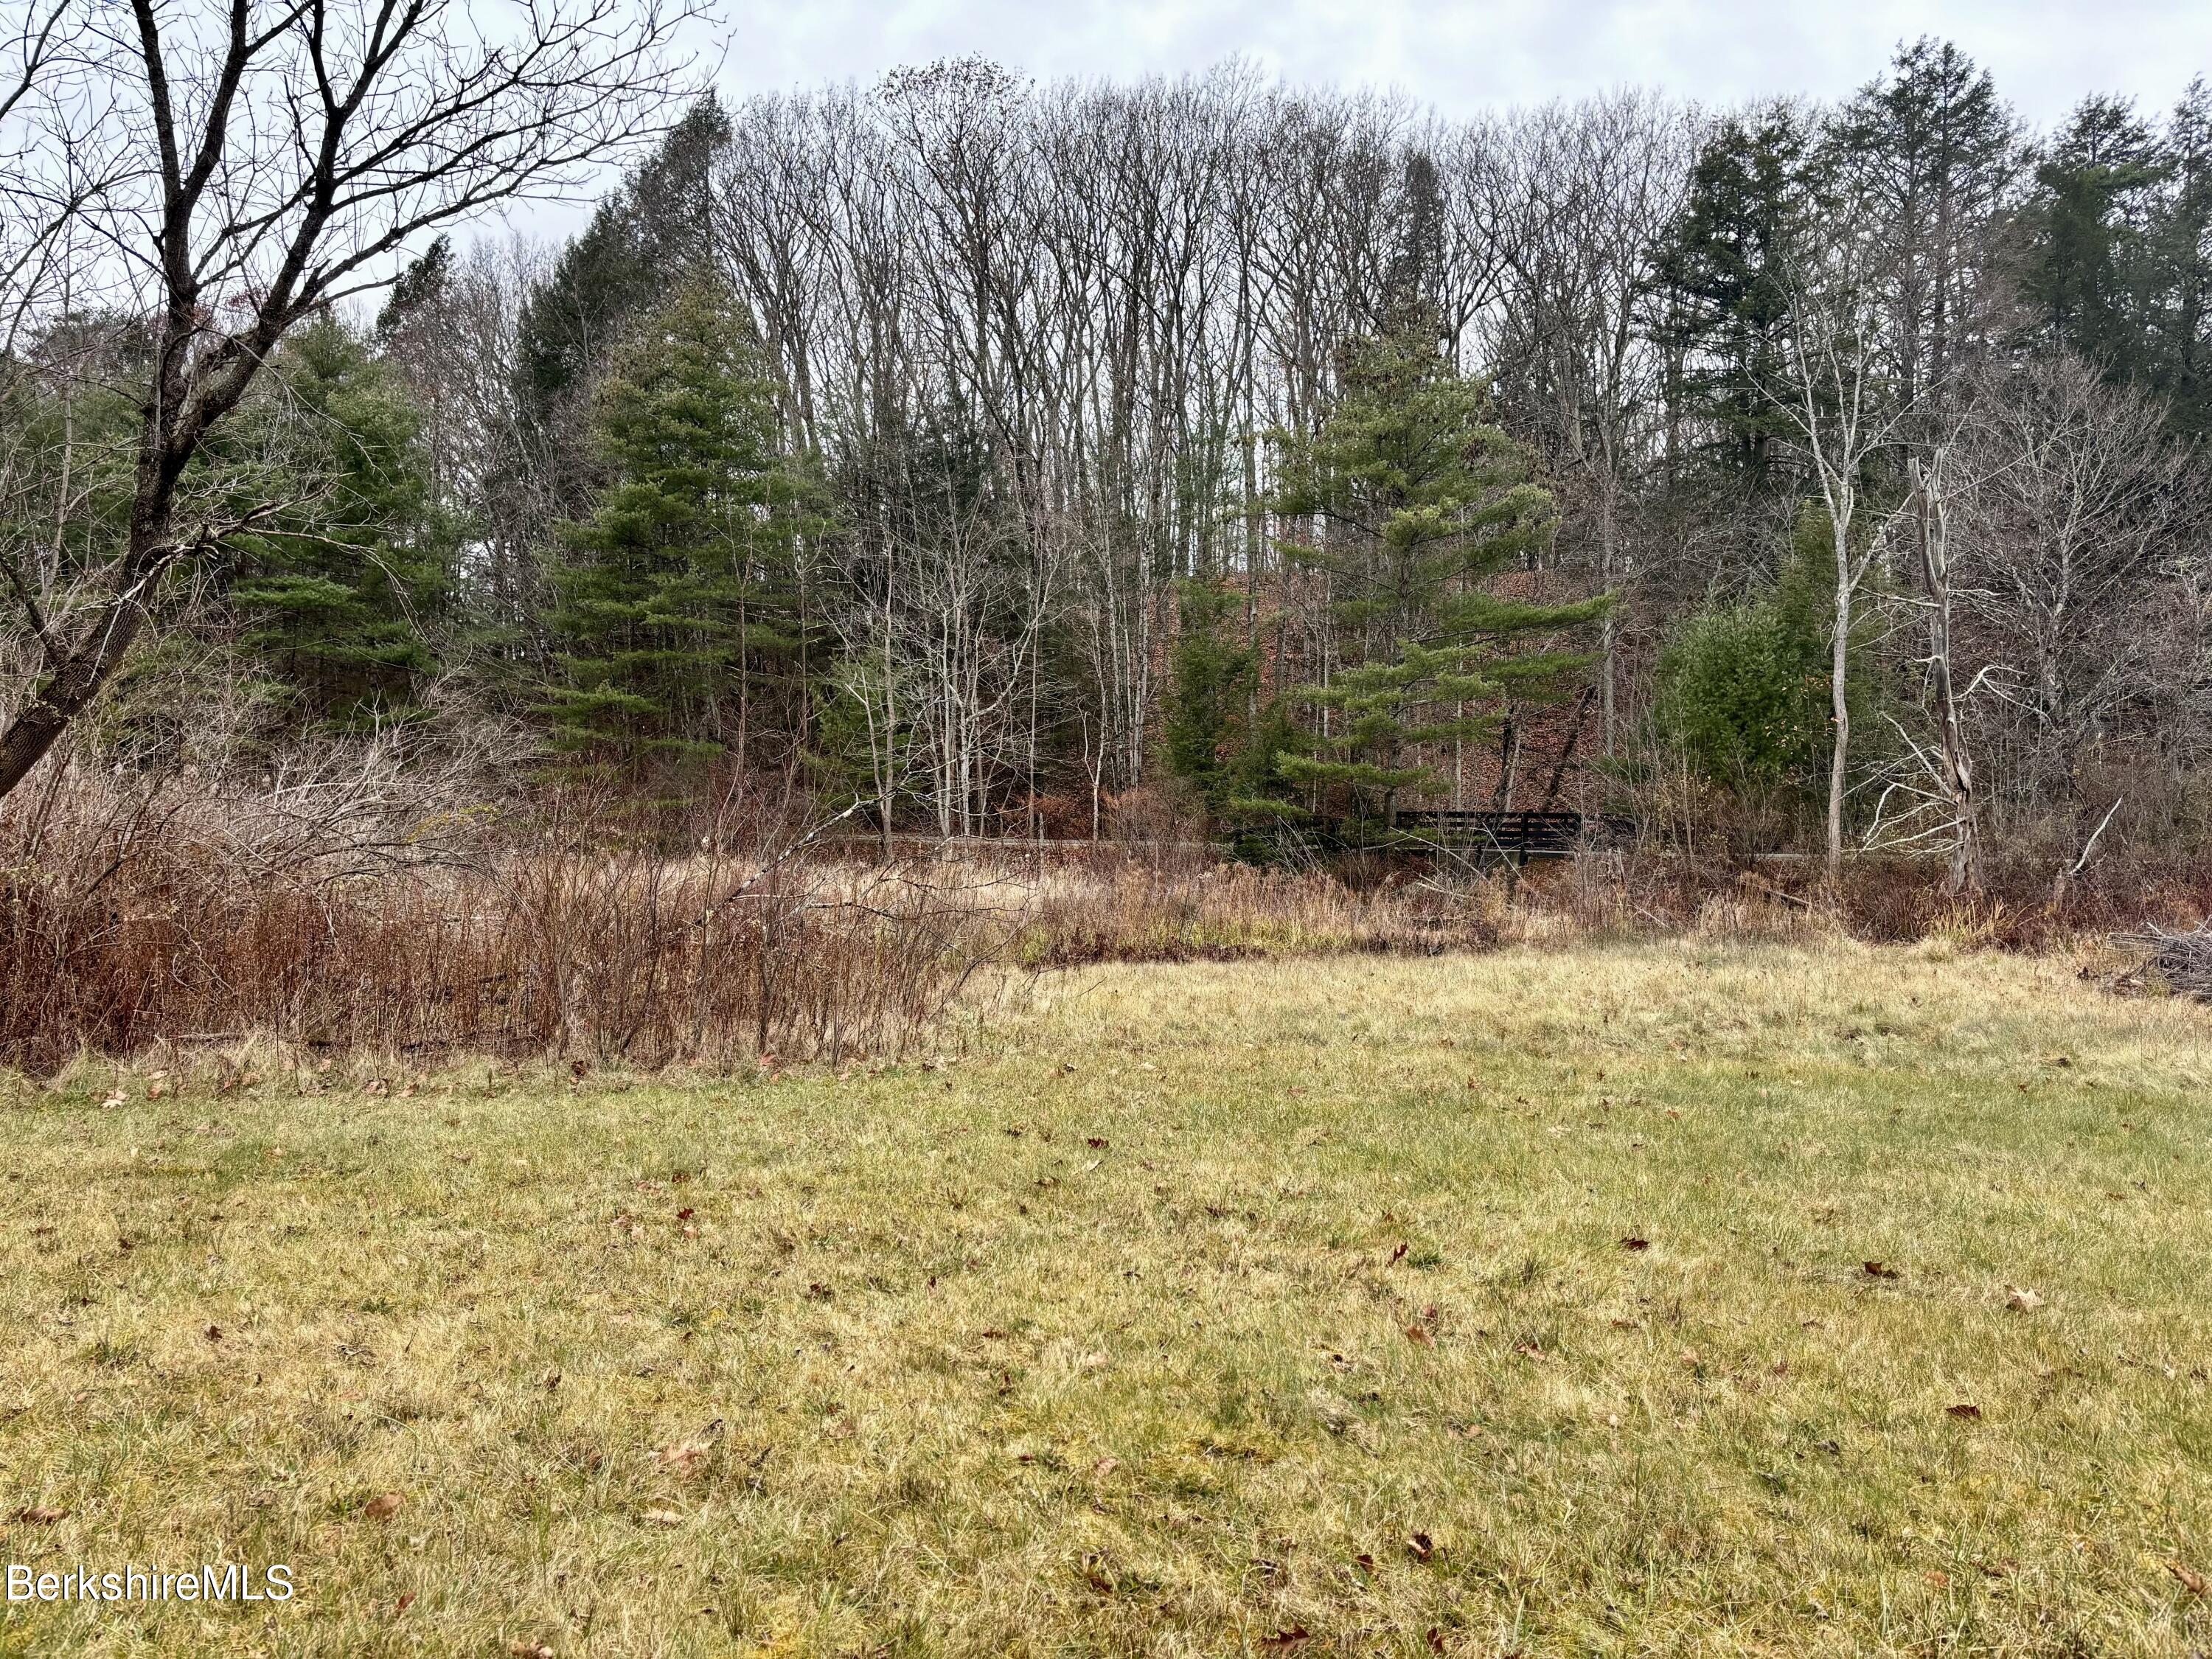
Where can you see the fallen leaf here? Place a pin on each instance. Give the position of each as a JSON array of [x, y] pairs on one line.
[[1420, 1546], [529, 1649], [1365, 1561], [1938, 1578], [42, 1516], [1876, 1270], [381, 1508], [1398, 1255], [114, 1100], [682, 1458], [1632, 1243], [684, 1214], [1435, 1639], [2192, 1581], [215, 1333], [2020, 1299], [1105, 1466], [1295, 1636], [662, 1518], [1963, 1410], [1096, 1143]]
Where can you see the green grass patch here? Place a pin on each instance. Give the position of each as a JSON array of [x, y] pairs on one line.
[[1656, 1299]]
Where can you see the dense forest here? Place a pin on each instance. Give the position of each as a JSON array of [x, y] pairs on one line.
[[987, 457]]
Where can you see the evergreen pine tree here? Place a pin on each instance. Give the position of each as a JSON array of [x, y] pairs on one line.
[[1932, 152], [2095, 196], [1720, 297], [1211, 686], [337, 597], [641, 245], [678, 599], [1419, 499]]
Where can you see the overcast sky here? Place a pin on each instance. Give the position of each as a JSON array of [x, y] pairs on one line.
[[1461, 57]]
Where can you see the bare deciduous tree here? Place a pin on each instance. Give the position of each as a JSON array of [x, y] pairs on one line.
[[2075, 510], [227, 170]]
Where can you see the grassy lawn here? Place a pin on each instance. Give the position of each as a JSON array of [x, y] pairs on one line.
[[1653, 1299]]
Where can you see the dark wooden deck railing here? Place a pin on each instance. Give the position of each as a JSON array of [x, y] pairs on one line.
[[1517, 836]]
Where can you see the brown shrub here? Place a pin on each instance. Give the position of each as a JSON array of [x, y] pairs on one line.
[[122, 927], [333, 912]]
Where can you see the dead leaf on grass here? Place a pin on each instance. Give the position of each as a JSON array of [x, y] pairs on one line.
[[682, 1458], [2191, 1580], [2020, 1299], [1964, 1411], [1879, 1270], [381, 1508], [1420, 1546], [41, 1516], [1632, 1243], [662, 1518]]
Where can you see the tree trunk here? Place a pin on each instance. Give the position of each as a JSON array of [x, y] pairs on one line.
[[1956, 773], [1839, 705], [76, 670]]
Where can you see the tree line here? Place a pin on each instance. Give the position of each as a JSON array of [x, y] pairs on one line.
[[1000, 457]]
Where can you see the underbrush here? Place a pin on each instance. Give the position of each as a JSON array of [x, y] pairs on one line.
[[325, 912], [122, 929]]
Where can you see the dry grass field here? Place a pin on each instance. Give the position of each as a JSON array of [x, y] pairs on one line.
[[1681, 1298]]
